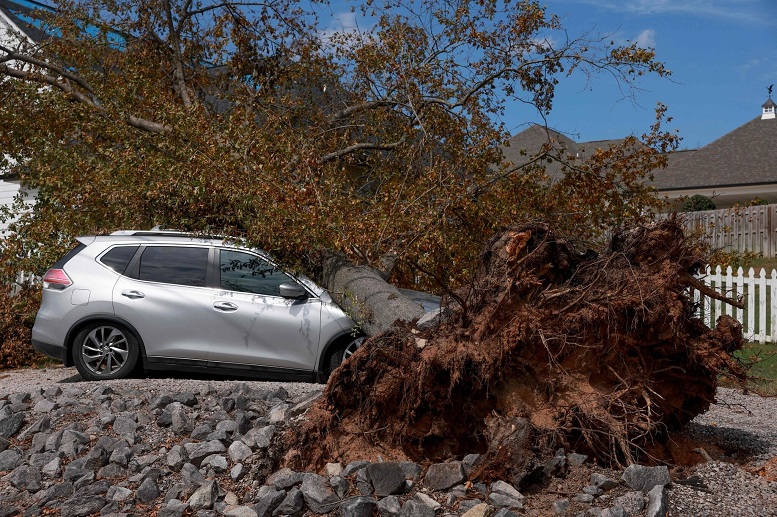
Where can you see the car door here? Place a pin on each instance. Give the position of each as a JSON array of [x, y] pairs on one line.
[[164, 296], [258, 326]]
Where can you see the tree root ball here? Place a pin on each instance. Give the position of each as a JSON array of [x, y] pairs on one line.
[[597, 353]]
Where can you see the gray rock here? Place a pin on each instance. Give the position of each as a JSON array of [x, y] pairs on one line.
[[644, 478], [340, 486], [267, 501], [285, 478], [358, 507], [303, 405], [412, 470], [58, 491], [239, 511], [592, 490], [173, 508], [44, 406], [237, 472], [10, 423], [478, 510], [40, 425], [561, 506], [201, 432], [53, 468], [239, 451], [658, 502], [333, 469], [217, 462], [292, 504], [602, 481], [111, 471], [441, 476], [319, 496], [427, 500], [389, 506], [259, 437], [81, 506], [9, 459], [354, 467], [242, 423], [505, 501], [387, 478], [228, 426], [431, 319], [160, 402], [278, 413], [25, 477], [414, 508], [118, 494], [176, 457], [199, 451], [204, 496], [191, 475], [180, 422], [186, 398], [147, 491], [125, 427], [576, 460]]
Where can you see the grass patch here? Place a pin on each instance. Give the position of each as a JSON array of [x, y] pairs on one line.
[[761, 359]]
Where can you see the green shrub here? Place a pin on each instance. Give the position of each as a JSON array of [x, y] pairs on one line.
[[697, 203], [17, 315]]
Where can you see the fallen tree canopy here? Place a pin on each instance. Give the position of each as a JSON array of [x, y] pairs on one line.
[[599, 354]]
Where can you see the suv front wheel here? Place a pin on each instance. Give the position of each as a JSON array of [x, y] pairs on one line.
[[105, 351]]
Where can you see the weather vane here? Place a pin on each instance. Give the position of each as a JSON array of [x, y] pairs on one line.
[[769, 89]]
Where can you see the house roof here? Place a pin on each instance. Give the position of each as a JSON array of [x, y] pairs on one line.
[[745, 156], [522, 147], [21, 13]]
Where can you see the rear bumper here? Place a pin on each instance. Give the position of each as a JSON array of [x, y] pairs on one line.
[[55, 351]]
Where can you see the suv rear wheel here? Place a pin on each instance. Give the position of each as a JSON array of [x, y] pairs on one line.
[[105, 351]]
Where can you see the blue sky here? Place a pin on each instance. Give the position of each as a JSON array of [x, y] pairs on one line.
[[722, 54]]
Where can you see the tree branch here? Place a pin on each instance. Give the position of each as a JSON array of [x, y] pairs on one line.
[[360, 146]]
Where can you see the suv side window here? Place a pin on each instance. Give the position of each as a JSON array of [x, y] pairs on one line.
[[247, 273], [174, 265], [118, 258]]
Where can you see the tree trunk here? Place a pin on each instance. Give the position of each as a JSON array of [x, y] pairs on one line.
[[365, 295]]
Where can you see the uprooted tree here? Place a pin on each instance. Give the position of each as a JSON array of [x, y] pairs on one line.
[[254, 119], [547, 348]]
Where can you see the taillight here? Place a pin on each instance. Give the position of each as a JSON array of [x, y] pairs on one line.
[[56, 279]]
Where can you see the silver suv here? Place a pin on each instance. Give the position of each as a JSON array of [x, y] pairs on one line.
[[173, 301]]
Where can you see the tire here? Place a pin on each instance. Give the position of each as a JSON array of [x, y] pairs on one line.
[[342, 354], [105, 351]]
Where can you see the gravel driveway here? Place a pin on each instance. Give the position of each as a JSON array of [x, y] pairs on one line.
[[743, 426]]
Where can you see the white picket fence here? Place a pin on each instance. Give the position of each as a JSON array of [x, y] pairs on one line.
[[757, 289]]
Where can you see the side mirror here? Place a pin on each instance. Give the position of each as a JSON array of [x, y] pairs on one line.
[[292, 290]]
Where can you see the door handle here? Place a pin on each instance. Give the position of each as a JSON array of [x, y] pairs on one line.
[[225, 306], [133, 294]]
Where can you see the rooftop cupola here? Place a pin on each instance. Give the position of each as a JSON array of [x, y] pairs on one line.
[[768, 107]]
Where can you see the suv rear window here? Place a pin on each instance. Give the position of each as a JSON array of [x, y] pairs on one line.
[[174, 265], [70, 254], [119, 257]]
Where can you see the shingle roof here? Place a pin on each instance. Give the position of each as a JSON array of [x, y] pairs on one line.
[[745, 156], [22, 14], [524, 146]]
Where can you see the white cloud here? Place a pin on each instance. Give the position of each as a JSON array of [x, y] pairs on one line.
[[739, 10], [646, 39], [344, 22]]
